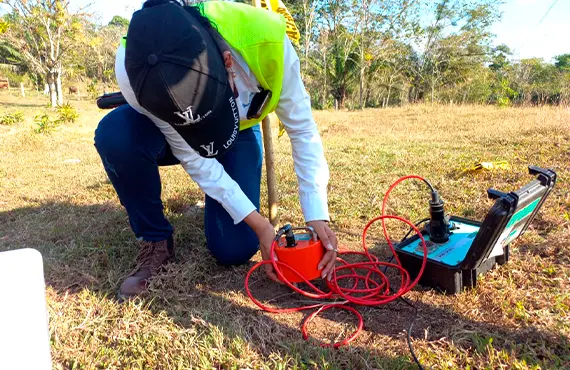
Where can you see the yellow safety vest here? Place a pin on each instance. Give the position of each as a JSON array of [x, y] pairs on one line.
[[258, 35]]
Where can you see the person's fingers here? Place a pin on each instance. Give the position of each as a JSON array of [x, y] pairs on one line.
[[325, 260], [326, 240], [330, 267], [332, 237], [329, 241], [269, 270], [327, 264], [271, 273]]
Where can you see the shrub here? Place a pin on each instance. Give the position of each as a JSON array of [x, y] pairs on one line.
[[9, 119], [67, 113], [503, 102], [45, 123], [93, 90]]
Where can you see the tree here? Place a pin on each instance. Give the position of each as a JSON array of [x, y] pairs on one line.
[[43, 32], [341, 56], [380, 25], [499, 59], [563, 62], [119, 21], [9, 55], [537, 82], [94, 57], [309, 8], [457, 39]]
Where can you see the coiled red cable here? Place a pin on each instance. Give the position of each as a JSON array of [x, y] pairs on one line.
[[375, 293]]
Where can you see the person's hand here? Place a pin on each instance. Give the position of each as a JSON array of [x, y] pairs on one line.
[[265, 234], [328, 238]]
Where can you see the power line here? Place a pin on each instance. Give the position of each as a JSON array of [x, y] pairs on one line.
[[548, 11], [539, 22]]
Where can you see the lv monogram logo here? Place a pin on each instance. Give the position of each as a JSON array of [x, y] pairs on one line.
[[209, 149], [188, 117]]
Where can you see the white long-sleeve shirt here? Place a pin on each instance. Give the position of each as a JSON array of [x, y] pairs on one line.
[[293, 109]]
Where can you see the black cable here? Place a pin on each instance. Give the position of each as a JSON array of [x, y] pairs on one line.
[[409, 334], [417, 224], [435, 197], [430, 186]]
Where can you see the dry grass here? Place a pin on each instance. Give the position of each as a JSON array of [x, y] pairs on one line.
[[197, 314]]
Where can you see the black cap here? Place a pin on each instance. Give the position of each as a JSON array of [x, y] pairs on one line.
[[177, 73]]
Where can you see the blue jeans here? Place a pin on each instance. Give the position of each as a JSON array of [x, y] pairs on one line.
[[132, 148]]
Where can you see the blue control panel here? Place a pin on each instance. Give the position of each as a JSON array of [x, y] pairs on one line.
[[452, 252]]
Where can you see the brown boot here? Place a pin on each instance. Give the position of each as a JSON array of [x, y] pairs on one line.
[[152, 256]]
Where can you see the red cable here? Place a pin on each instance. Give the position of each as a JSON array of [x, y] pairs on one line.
[[376, 293]]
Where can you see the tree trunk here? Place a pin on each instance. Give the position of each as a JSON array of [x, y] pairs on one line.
[[362, 47], [59, 89], [308, 22], [380, 98], [403, 100], [306, 52], [342, 97], [326, 71], [52, 90], [361, 88], [389, 92]]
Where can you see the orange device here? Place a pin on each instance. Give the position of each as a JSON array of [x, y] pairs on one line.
[[296, 248]]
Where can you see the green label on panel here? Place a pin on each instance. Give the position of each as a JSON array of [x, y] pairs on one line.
[[523, 213], [517, 218]]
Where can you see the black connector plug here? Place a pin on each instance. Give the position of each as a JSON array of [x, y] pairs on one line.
[[286, 230], [290, 237], [438, 226]]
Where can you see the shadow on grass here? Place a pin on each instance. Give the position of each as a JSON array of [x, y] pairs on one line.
[[92, 247], [19, 104], [88, 246]]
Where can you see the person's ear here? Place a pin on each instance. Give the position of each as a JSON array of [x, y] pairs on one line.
[[228, 60], [228, 63]]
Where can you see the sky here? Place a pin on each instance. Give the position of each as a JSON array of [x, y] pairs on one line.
[[520, 28], [521, 31]]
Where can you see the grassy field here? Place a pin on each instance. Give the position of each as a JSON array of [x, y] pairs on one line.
[[54, 196]]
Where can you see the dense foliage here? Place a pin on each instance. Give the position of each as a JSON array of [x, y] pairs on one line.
[[390, 52], [372, 53]]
